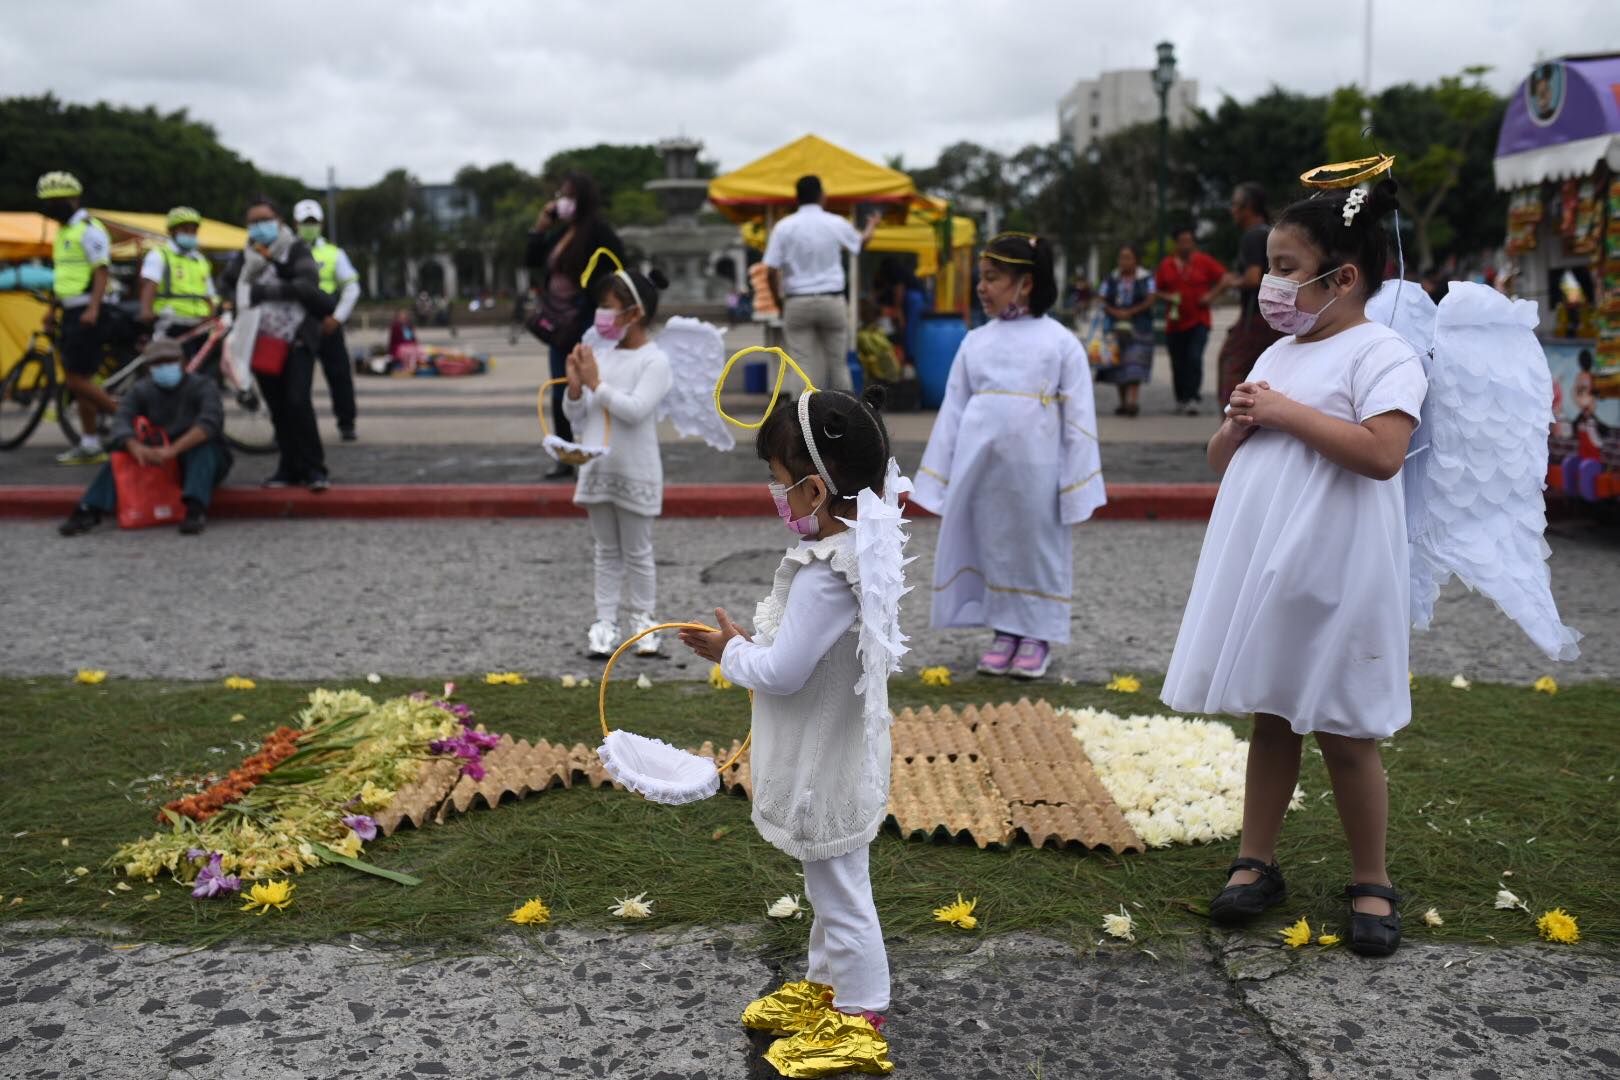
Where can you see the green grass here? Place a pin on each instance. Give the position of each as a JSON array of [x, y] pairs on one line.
[[1485, 781]]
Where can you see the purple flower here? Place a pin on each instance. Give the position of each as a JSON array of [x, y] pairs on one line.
[[473, 769], [195, 854], [212, 880], [363, 825], [440, 746], [482, 739]]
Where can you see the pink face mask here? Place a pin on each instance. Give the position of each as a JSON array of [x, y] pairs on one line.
[[1279, 304], [607, 324], [804, 526]]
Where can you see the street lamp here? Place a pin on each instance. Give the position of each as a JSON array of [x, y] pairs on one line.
[[1164, 77]]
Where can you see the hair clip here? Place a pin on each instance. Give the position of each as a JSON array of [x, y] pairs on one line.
[[1352, 204]]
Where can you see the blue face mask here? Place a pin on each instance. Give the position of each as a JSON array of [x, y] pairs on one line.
[[186, 241], [264, 232], [167, 375]]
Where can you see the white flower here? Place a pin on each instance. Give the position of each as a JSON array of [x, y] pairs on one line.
[[1432, 917], [1459, 683], [786, 907], [643, 683], [1507, 901], [569, 682], [1121, 926], [632, 907], [374, 678]]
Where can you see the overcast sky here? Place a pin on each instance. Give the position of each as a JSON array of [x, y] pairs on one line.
[[366, 86]]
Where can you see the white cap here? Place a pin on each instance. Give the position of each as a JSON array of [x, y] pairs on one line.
[[308, 209]]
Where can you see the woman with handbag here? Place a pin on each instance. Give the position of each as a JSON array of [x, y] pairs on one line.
[[568, 230], [281, 305]]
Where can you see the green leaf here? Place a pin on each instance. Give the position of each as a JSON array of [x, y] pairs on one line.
[[328, 855]]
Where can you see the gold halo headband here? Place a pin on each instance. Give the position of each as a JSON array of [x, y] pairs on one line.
[[620, 273], [1362, 169], [988, 254]]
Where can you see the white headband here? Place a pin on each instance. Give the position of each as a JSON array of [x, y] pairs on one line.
[[810, 443], [624, 276]]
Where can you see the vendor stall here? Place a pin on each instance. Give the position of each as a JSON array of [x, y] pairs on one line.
[[1558, 154]]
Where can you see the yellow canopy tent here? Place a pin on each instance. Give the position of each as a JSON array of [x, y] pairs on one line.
[[213, 237], [25, 235], [764, 188]]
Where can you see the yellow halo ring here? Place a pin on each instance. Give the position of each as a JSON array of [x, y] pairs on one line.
[[1365, 169], [776, 391]]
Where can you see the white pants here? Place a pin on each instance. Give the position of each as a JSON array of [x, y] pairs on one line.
[[624, 560], [815, 332], [846, 942]]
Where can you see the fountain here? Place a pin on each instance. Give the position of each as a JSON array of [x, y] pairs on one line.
[[684, 248]]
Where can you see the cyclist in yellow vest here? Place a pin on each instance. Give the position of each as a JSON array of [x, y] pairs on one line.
[[338, 277], [177, 282], [80, 261]]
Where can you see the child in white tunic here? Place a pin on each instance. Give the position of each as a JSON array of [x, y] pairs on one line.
[[623, 490], [1299, 610], [820, 763], [1012, 464]]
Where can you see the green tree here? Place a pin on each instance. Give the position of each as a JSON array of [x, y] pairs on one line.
[[614, 168]]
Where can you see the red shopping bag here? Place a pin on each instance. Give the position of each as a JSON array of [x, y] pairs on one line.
[[147, 494], [269, 355]]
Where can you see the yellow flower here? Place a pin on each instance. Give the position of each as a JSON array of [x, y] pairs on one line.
[[1432, 918], [1121, 926], [81, 871], [265, 895], [632, 907], [1124, 684], [935, 676], [122, 886], [1459, 683], [1545, 685], [1327, 939], [568, 682], [504, 678], [1411, 681], [532, 913], [1559, 925], [1297, 935], [236, 682], [717, 679], [90, 677], [237, 718], [373, 797], [349, 846], [958, 914]]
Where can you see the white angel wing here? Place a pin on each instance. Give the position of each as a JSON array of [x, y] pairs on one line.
[[1477, 490], [880, 551], [1405, 308], [696, 354]]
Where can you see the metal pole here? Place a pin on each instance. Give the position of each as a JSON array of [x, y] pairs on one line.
[[1164, 165], [331, 204], [1366, 68]]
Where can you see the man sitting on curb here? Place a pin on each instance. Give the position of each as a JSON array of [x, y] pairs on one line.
[[185, 406]]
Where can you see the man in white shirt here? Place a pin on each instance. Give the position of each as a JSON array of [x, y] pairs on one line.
[[338, 277], [805, 257]]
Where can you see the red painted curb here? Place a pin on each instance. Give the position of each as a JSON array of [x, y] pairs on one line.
[[1126, 502]]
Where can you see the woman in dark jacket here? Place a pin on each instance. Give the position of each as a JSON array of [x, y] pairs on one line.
[[280, 284], [567, 233]]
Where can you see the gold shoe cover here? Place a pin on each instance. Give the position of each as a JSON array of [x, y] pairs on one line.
[[794, 1007], [837, 1043]]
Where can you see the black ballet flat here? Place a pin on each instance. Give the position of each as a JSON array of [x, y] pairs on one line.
[[1240, 903], [1374, 935]]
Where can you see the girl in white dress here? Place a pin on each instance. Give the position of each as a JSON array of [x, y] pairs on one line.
[[623, 490], [1299, 608], [825, 641], [1012, 464]]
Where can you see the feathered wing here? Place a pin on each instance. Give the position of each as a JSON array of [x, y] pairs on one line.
[[1405, 308], [696, 354], [880, 551], [1478, 487]]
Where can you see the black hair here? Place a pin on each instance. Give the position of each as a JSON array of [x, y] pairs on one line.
[[587, 207], [1585, 360], [1130, 246], [1021, 253], [808, 189], [850, 436], [1364, 242], [262, 200], [648, 286], [1252, 194], [1184, 227]]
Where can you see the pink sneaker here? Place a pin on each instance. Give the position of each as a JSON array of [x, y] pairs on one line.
[[999, 660], [1032, 660]]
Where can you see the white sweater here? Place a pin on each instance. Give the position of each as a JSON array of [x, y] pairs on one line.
[[631, 474], [816, 794]]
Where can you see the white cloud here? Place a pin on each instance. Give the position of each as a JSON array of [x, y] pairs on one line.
[[368, 85]]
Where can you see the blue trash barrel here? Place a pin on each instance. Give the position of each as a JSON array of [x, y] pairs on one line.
[[754, 380], [857, 374], [939, 338]]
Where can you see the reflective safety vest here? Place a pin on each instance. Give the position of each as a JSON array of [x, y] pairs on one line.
[[72, 266], [183, 292], [327, 254]]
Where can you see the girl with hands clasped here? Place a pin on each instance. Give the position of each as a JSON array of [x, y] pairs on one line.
[[1299, 607], [622, 491]]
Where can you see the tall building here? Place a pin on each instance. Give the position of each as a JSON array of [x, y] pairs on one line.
[[1115, 100]]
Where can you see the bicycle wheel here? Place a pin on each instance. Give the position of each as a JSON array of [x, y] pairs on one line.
[[25, 393]]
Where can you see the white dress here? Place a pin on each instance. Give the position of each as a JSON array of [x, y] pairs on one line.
[[1011, 464], [1299, 607], [631, 474]]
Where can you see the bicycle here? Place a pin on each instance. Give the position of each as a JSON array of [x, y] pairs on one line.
[[32, 385]]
